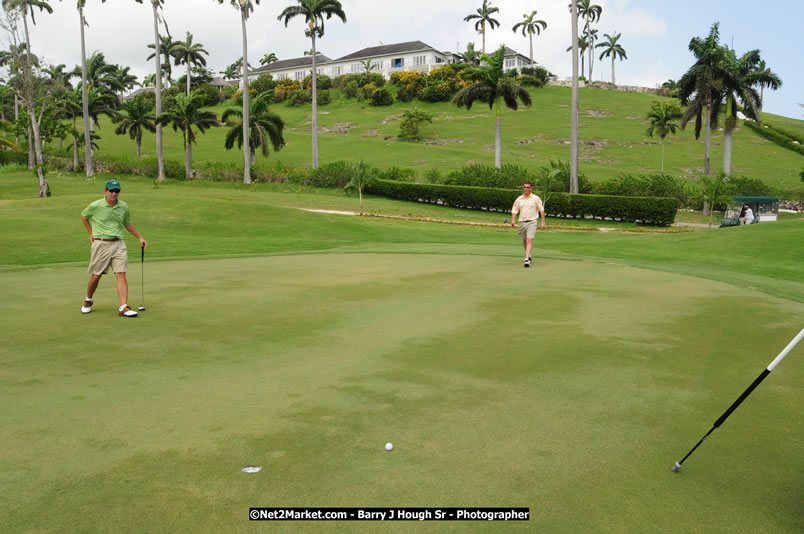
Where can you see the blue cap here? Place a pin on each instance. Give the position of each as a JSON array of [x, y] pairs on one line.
[[112, 184]]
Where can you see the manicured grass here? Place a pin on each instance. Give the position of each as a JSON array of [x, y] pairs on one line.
[[302, 342], [614, 143]]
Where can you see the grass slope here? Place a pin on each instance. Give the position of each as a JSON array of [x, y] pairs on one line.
[[612, 130]]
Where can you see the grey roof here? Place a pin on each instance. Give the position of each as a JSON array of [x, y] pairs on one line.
[[220, 82], [511, 52], [138, 92], [384, 50], [299, 62]]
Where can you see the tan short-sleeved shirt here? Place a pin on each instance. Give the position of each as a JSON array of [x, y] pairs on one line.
[[527, 208]]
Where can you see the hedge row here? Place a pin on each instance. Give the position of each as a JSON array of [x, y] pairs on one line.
[[647, 210], [771, 134], [792, 135]]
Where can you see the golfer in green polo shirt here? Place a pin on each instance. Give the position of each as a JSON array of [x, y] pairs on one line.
[[105, 219]]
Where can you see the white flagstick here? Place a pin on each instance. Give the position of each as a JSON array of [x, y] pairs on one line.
[[745, 394]]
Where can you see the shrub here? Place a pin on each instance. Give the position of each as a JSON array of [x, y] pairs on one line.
[[408, 84], [481, 175], [397, 173], [299, 97], [228, 92], [212, 97], [771, 134], [323, 97], [351, 89], [411, 120], [561, 178], [381, 97], [433, 176], [655, 211], [530, 81], [336, 174], [436, 93], [264, 82], [747, 187], [322, 81]]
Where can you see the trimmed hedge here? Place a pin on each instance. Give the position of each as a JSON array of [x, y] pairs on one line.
[[771, 134], [647, 210]]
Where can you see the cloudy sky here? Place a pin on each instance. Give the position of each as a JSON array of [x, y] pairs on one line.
[[655, 34]]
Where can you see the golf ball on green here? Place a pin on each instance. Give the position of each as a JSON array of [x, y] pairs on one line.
[[389, 446]]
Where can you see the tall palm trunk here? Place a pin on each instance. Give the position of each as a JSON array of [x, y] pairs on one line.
[[662, 155], [160, 155], [498, 138], [88, 165], [574, 124], [612, 71], [188, 156], [531, 49], [139, 145], [75, 154], [708, 136], [727, 135], [246, 159], [188, 77], [483, 31], [17, 113], [315, 105]]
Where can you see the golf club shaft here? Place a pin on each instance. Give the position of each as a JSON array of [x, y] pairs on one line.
[[746, 393], [142, 277]]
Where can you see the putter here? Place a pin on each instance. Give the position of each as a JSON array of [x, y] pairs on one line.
[[745, 394], [142, 280]]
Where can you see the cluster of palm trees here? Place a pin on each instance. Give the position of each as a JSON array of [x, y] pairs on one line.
[[483, 17], [719, 78]]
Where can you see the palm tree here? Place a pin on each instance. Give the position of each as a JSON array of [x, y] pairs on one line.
[[267, 59], [662, 117], [530, 26], [124, 79], [59, 76], [26, 8], [612, 48], [245, 7], [493, 86], [591, 37], [230, 73], [138, 117], [184, 114], [590, 13], [266, 127], [368, 65], [166, 43], [704, 82], [574, 111], [471, 55], [189, 53], [580, 50], [156, 5], [88, 164], [739, 85], [99, 102], [314, 12], [762, 71], [483, 16]]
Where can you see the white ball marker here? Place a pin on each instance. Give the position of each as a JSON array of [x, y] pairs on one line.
[[389, 446]]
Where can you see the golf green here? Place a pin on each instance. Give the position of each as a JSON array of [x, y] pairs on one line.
[[570, 388]]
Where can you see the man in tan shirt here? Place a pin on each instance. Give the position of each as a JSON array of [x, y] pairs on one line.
[[529, 207]]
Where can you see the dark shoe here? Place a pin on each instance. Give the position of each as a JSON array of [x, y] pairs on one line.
[[527, 262]]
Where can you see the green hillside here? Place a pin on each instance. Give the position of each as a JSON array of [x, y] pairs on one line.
[[612, 130]]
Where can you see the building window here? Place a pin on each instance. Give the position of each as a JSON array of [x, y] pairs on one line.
[[398, 63], [283, 76], [420, 60], [439, 60], [299, 75], [357, 67], [510, 63], [337, 71]]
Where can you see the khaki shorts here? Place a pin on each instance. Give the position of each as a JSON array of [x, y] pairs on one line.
[[528, 229], [107, 254]]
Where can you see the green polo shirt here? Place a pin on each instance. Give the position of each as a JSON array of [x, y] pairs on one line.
[[107, 221]]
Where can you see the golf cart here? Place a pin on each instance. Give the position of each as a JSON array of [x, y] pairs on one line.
[[766, 209]]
